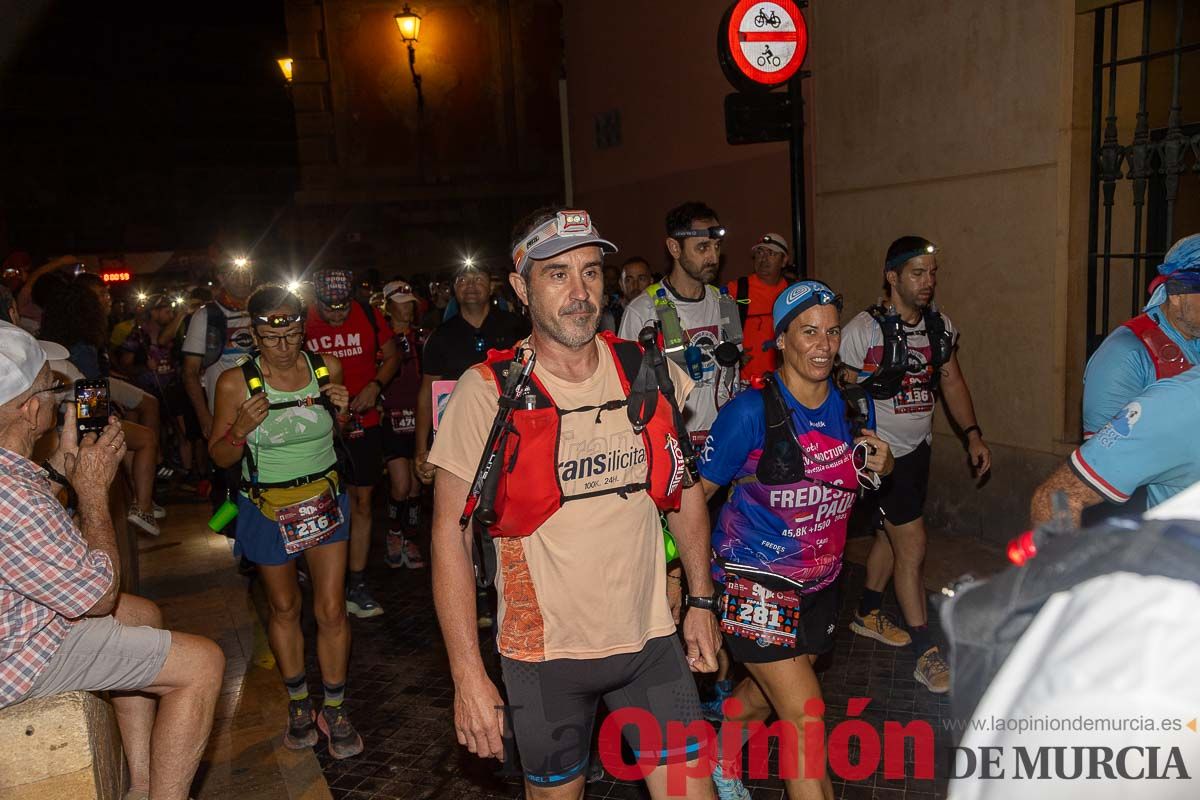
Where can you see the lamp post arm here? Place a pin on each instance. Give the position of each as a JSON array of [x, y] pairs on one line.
[[412, 67]]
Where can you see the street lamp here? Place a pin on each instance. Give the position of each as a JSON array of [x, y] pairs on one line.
[[285, 66], [409, 23]]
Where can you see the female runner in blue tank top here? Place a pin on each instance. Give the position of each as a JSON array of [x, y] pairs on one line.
[[779, 547]]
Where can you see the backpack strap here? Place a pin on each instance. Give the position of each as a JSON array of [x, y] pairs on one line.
[[941, 344], [216, 327], [1167, 357], [370, 312], [743, 293]]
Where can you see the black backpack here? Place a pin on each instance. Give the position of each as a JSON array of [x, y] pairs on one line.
[[985, 621]]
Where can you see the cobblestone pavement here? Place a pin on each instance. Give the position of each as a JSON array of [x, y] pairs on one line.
[[400, 696]]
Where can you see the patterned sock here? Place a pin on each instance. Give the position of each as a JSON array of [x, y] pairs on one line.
[[297, 687], [334, 695], [414, 512], [870, 601], [921, 640], [396, 515]]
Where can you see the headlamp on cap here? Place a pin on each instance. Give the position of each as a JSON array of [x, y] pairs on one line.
[[565, 231], [713, 232]]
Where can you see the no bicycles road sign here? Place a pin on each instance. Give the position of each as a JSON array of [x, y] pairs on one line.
[[763, 42]]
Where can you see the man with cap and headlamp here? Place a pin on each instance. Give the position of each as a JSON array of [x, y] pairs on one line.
[[360, 338], [903, 352], [580, 575], [756, 295], [460, 342], [400, 425], [1161, 342]]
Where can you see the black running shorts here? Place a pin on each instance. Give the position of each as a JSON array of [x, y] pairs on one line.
[[552, 706], [814, 634], [361, 457], [902, 494]]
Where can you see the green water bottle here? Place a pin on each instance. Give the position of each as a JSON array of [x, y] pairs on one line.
[[668, 316], [223, 517]]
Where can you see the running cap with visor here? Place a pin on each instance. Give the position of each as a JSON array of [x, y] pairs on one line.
[[772, 241], [399, 292], [566, 230], [333, 287]]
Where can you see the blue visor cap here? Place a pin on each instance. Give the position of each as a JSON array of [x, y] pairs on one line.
[[798, 298]]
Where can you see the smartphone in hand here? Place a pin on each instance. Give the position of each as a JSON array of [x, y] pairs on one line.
[[91, 405]]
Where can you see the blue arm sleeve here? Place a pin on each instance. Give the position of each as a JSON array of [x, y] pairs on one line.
[[737, 430]]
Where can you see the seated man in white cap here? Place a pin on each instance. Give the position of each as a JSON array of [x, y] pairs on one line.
[[64, 623]]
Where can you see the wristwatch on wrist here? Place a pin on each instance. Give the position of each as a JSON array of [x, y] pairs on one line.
[[707, 603], [54, 475]]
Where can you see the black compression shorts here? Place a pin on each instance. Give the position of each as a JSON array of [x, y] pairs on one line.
[[902, 493], [553, 706]]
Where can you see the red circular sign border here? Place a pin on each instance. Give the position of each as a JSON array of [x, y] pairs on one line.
[[740, 10]]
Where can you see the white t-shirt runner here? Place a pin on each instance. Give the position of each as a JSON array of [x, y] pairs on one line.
[[238, 342], [906, 420], [701, 323]]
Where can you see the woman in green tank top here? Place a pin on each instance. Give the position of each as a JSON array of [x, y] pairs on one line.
[[276, 417]]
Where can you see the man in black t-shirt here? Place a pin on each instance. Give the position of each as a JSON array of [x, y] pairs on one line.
[[458, 344]]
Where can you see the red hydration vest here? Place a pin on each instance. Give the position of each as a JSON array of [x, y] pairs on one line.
[[1166, 356], [529, 491]]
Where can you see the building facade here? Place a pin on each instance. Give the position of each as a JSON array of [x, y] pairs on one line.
[[973, 124]]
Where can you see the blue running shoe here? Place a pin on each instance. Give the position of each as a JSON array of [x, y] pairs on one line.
[[728, 788], [712, 707]]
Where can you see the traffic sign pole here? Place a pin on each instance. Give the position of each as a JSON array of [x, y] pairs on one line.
[[761, 45], [796, 157]]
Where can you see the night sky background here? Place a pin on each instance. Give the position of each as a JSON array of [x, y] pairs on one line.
[[134, 126]]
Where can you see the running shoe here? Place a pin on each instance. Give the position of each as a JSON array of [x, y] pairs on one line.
[[394, 557], [712, 707], [302, 725], [879, 626], [159, 512], [933, 671], [728, 788], [412, 555], [360, 603], [344, 741], [144, 520]]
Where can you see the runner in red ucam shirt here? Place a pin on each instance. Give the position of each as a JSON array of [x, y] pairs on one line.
[[795, 452], [357, 335]]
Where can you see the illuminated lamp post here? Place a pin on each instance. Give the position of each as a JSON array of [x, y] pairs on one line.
[[409, 23]]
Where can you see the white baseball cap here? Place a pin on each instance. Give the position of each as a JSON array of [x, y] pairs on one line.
[[398, 292], [21, 359], [772, 241]]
